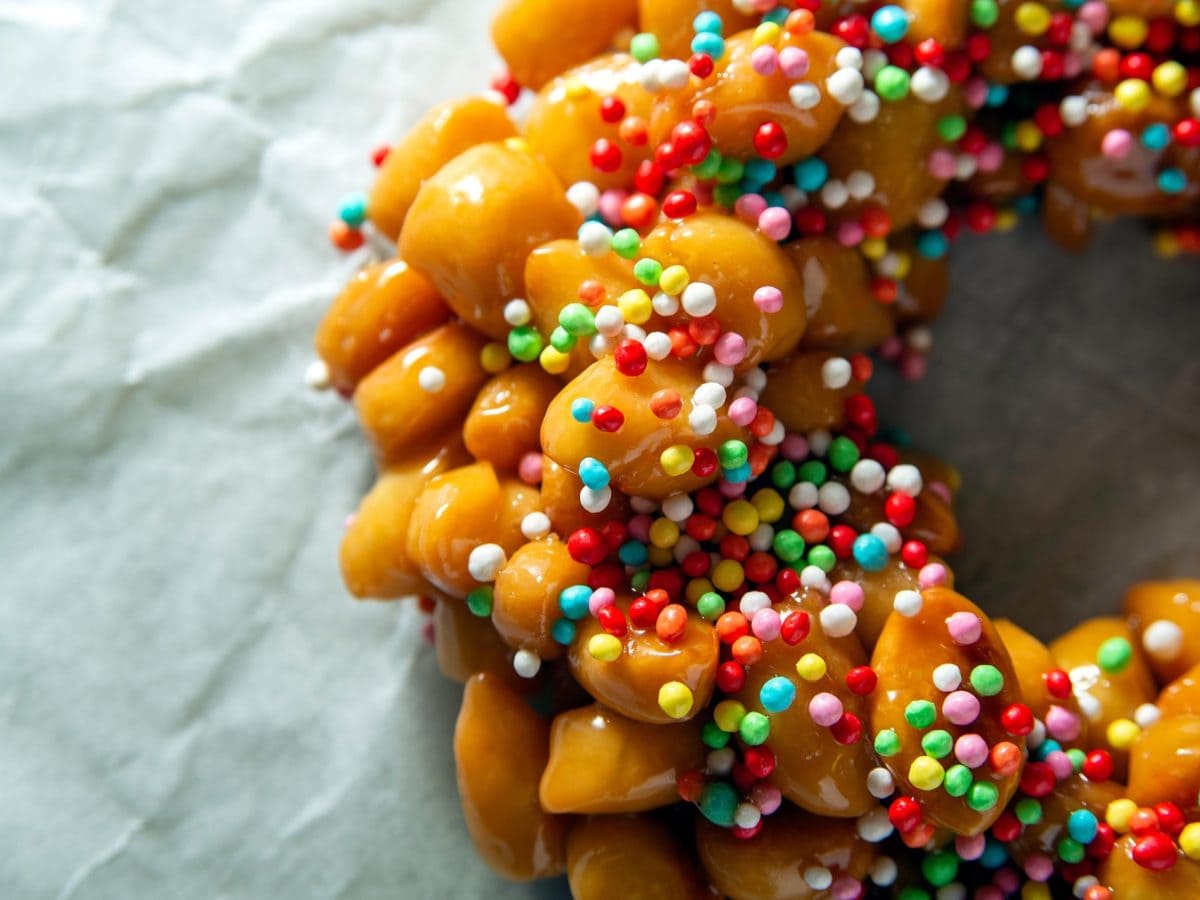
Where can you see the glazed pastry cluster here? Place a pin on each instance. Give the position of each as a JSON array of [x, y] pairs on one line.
[[615, 376]]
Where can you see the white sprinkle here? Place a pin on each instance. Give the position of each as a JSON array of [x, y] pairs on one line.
[[1083, 884], [819, 441], [585, 197], [860, 184], [1027, 62], [595, 501], [699, 299], [818, 878], [834, 194], [775, 436], [633, 332], [657, 345], [881, 784], [595, 238], [317, 376], [845, 86], [906, 479], [908, 603], [833, 498], [1194, 102], [889, 534], [947, 677], [815, 577], [747, 815], [752, 602], [933, 213], [884, 871], [685, 547], [756, 379], [678, 507], [929, 84], [526, 663], [485, 561], [838, 620], [664, 304], [651, 75], [1163, 640], [1146, 715], [875, 826], [600, 346], [1081, 37], [804, 95], [803, 495], [849, 58], [720, 762], [643, 505], [867, 476], [1073, 110], [516, 312], [703, 420], [965, 167], [674, 74], [431, 379], [761, 537], [1037, 737], [710, 393], [721, 374], [535, 525], [865, 109], [955, 890], [609, 320]]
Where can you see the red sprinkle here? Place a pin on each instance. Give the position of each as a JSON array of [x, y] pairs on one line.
[[607, 419]]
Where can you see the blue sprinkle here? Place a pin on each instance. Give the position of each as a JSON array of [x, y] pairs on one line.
[[997, 95], [563, 631], [777, 16], [759, 171], [739, 475], [777, 694], [707, 42], [932, 244], [1156, 136], [573, 601], [870, 552], [633, 553], [1082, 826], [1172, 181], [890, 23], [708, 21], [581, 410], [593, 473], [811, 174], [353, 210], [994, 854]]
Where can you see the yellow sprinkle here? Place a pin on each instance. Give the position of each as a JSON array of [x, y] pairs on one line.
[[1132, 94], [1187, 13], [873, 248], [1006, 220], [660, 557], [1032, 18], [1189, 840], [1170, 78], [604, 647], [1165, 244], [1118, 814], [519, 145], [576, 89], [673, 280], [728, 715], [740, 517], [766, 33], [769, 504], [1128, 32], [727, 575], [1028, 135], [635, 306], [677, 460], [675, 699], [1122, 733], [494, 358], [664, 533], [554, 361], [811, 667], [926, 773], [697, 588], [903, 265], [1035, 890]]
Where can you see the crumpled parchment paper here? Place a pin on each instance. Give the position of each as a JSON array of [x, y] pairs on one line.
[[191, 705]]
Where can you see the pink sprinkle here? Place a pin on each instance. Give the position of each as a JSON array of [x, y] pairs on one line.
[[1062, 724], [1094, 14], [913, 365], [931, 575], [1060, 763], [1039, 867], [961, 707], [965, 628], [850, 234], [825, 709], [749, 207], [848, 592], [765, 624], [742, 411], [941, 489], [1072, 64], [765, 60], [970, 847], [601, 597], [610, 206], [766, 797], [976, 92], [794, 447], [892, 348], [775, 222], [1007, 880], [731, 490], [639, 528], [1117, 143], [794, 62], [971, 750], [529, 469], [942, 164], [730, 348], [989, 892], [991, 157], [846, 887], [769, 299]]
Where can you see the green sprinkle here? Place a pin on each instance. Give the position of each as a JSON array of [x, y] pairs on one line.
[[709, 166], [887, 743], [813, 471], [479, 601], [577, 319], [958, 780], [951, 128], [982, 796], [937, 743], [525, 343], [718, 802], [562, 340], [822, 557], [644, 47], [1070, 850], [843, 454], [1077, 757], [732, 454], [713, 736], [788, 546], [891, 83], [987, 680], [1028, 811], [755, 728], [940, 868], [710, 605], [730, 171], [639, 581], [984, 13], [626, 243], [648, 271], [783, 475], [920, 713], [726, 195], [1114, 655], [913, 893]]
